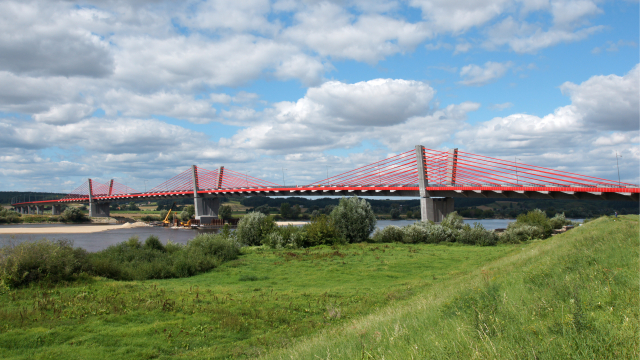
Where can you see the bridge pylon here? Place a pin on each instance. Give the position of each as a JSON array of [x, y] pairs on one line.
[[206, 208], [434, 209]]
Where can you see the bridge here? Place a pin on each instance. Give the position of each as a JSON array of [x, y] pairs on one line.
[[434, 176]]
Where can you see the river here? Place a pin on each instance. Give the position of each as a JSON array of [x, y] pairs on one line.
[[101, 240]]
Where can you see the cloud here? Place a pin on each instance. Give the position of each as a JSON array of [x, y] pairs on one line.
[[64, 114], [523, 37], [575, 136], [474, 75], [459, 16], [331, 31], [608, 102], [337, 114], [46, 45]]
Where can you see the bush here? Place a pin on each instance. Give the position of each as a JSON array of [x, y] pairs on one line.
[[518, 233], [558, 221], [321, 231], [153, 243], [354, 219], [253, 227], [536, 218], [9, 216], [476, 235], [163, 215], [453, 221], [427, 232], [389, 234], [152, 218], [51, 261], [73, 214], [130, 260]]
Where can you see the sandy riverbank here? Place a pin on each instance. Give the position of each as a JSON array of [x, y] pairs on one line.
[[285, 223], [67, 229]]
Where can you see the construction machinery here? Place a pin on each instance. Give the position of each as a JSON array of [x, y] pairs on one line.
[[166, 221]]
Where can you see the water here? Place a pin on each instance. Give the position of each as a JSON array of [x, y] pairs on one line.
[[101, 240]]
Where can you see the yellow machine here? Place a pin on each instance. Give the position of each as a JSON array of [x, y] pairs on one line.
[[166, 221]]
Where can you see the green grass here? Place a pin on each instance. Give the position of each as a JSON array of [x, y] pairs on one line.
[[258, 303], [572, 296]]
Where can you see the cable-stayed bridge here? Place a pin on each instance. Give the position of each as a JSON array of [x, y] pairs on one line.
[[435, 176]]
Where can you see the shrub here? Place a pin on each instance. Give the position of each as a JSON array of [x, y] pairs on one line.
[[73, 214], [274, 240], [476, 235], [558, 221], [152, 218], [518, 233], [130, 260], [427, 232], [8, 216], [453, 221], [321, 231], [46, 260], [163, 215], [253, 227], [354, 219], [389, 234], [153, 243], [536, 218]]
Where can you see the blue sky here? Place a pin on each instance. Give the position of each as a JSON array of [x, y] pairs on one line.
[[140, 90]]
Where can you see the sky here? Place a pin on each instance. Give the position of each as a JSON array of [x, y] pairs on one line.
[[138, 91]]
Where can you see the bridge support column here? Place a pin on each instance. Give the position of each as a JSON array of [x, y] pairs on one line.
[[206, 209], [32, 210], [56, 209], [436, 208], [97, 209], [40, 209], [433, 209]]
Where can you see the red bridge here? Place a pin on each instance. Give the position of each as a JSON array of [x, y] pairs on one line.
[[435, 176]]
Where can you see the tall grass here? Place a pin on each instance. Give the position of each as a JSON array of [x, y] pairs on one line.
[[55, 261], [574, 296]]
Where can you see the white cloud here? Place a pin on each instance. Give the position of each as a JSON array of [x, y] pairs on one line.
[[331, 31], [64, 114], [474, 75], [608, 102], [459, 15]]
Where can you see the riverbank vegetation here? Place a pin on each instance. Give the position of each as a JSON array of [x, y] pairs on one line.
[[574, 295]]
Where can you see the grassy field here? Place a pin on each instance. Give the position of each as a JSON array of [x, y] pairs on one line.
[[572, 296]]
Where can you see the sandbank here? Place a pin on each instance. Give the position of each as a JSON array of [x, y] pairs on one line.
[[68, 229]]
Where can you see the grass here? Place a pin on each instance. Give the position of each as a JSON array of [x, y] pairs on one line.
[[572, 296], [244, 308]]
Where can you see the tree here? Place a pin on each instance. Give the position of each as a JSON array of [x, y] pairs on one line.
[[132, 206], [295, 211], [395, 213], [409, 214], [354, 219], [263, 209], [225, 212], [285, 210], [73, 215], [253, 227]]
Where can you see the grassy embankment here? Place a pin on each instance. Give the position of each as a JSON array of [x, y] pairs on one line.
[[572, 296]]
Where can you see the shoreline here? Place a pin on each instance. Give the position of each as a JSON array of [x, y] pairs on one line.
[[69, 229]]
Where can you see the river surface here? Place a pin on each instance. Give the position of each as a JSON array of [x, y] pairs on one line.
[[101, 240]]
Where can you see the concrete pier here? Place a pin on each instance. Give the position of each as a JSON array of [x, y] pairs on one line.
[[434, 209], [97, 209], [56, 209], [206, 209]]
